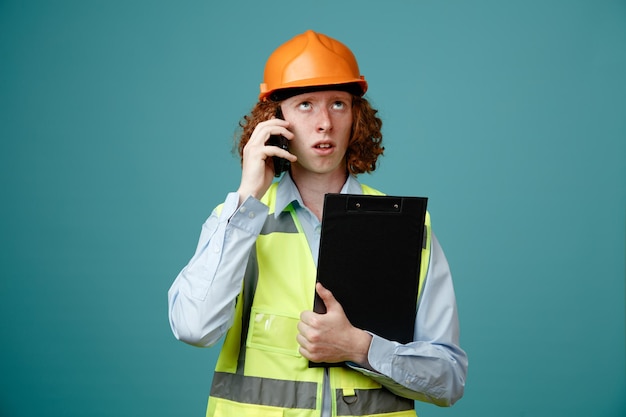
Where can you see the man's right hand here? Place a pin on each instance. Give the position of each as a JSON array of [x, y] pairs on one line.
[[257, 171]]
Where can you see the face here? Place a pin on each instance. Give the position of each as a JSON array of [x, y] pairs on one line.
[[321, 123]]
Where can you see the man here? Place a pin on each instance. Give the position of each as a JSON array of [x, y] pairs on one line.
[[253, 275]]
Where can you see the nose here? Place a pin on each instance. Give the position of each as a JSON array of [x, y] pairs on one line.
[[324, 122]]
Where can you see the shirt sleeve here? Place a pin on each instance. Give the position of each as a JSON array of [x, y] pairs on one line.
[[433, 367], [201, 301]]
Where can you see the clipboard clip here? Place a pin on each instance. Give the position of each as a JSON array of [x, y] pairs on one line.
[[369, 203]]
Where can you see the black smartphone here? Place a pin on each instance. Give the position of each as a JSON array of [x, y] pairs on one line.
[[280, 164]]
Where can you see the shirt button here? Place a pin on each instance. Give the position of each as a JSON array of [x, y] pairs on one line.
[[242, 209], [251, 215]]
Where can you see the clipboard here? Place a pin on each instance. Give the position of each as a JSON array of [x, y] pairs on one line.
[[370, 258]]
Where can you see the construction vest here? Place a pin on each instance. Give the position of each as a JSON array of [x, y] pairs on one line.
[[260, 371]]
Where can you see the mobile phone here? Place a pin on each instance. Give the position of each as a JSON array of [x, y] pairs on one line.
[[280, 164]]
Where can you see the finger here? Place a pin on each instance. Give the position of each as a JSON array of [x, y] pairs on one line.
[[271, 150], [302, 325], [305, 353], [265, 129], [308, 320]]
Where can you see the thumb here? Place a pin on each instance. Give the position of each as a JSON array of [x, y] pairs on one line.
[[327, 297]]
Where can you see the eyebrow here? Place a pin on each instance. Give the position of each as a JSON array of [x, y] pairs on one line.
[[334, 97]]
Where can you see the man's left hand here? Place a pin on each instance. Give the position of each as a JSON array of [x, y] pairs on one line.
[[330, 337]]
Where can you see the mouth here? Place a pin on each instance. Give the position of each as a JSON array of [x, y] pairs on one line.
[[323, 146]]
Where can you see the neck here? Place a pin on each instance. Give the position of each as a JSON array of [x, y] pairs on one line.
[[313, 188]]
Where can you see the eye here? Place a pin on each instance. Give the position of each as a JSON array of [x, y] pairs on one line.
[[305, 105], [339, 105]]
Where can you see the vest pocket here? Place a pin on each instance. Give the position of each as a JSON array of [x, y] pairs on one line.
[[274, 332], [225, 408]]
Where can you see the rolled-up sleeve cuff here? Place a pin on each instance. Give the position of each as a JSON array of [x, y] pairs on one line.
[[381, 353]]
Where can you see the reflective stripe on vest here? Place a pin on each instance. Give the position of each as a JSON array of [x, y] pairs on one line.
[[302, 395], [260, 370]]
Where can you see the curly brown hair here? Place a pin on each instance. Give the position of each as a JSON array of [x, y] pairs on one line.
[[365, 144]]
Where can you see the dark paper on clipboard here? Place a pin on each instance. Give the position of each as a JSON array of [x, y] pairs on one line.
[[369, 258]]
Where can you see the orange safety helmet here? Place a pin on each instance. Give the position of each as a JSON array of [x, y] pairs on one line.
[[311, 60]]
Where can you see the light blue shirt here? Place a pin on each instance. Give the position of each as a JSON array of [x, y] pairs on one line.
[[201, 300]]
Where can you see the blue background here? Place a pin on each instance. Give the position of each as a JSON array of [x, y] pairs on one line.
[[117, 120]]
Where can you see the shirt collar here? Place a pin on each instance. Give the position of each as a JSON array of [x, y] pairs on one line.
[[287, 192]]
